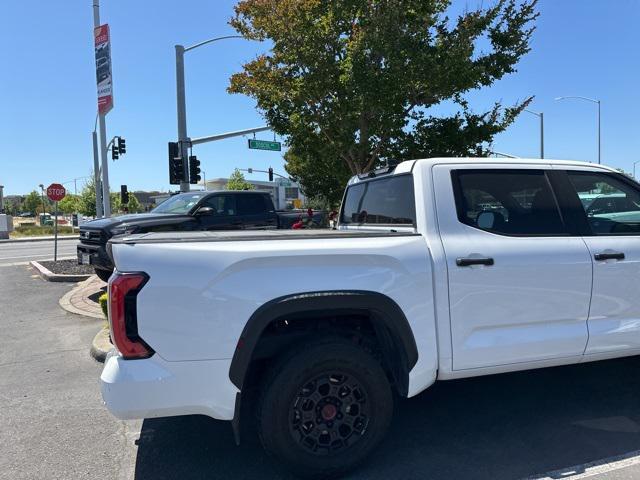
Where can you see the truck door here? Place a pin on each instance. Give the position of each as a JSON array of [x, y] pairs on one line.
[[611, 207], [519, 283], [254, 209], [224, 215]]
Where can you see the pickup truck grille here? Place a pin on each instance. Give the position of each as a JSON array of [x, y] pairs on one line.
[[91, 236]]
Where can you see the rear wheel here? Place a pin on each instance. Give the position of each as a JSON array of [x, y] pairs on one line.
[[325, 408], [103, 274]]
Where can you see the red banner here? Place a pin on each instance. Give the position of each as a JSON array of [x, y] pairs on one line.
[[103, 68]]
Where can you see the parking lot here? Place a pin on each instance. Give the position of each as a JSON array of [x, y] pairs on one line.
[[513, 426]]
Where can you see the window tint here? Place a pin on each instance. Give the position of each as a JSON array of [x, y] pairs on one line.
[[612, 204], [224, 205], [387, 201], [510, 202], [250, 204]]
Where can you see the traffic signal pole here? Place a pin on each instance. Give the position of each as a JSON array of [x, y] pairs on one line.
[[106, 200], [181, 103]]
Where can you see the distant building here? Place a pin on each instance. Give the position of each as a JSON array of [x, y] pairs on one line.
[[286, 194]]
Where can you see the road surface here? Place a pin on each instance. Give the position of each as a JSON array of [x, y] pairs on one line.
[[22, 252], [552, 423]]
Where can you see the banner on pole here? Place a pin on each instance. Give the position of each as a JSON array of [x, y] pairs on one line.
[[102, 43]]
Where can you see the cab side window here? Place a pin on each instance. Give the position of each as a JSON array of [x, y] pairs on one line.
[[507, 202], [223, 205], [610, 202]]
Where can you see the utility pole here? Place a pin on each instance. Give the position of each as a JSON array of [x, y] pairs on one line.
[[103, 135], [96, 175]]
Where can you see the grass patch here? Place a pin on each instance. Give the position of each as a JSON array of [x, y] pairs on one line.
[[37, 231]]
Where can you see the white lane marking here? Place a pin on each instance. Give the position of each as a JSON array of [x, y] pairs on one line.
[[588, 470], [29, 256], [13, 264]]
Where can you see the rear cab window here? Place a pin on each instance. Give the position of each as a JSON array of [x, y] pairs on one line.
[[382, 201], [252, 204]]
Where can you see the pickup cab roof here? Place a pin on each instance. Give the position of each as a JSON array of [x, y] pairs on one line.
[[409, 165]]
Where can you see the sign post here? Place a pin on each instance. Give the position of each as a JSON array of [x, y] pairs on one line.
[[55, 193]]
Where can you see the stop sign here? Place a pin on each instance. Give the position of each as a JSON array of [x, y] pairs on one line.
[[56, 192]]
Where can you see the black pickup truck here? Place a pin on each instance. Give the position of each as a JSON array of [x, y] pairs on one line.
[[220, 210]]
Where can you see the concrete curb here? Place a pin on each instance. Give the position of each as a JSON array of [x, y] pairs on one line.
[[40, 239], [49, 276], [65, 302], [101, 345]]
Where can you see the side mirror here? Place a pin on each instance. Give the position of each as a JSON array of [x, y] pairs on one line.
[[204, 211]]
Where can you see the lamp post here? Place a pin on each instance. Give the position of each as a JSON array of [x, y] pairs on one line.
[[183, 139], [540, 115], [42, 197], [634, 169], [592, 100]]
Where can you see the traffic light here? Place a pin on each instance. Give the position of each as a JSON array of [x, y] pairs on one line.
[[115, 153], [194, 170], [122, 146], [124, 195], [270, 174], [176, 165]]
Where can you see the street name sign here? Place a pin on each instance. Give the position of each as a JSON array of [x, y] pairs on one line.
[[264, 145], [102, 43], [56, 192]]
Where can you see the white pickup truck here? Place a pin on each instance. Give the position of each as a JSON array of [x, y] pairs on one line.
[[440, 269]]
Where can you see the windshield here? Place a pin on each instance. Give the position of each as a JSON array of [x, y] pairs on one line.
[[179, 204]]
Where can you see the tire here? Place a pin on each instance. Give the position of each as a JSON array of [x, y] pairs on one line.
[[103, 274], [324, 408]]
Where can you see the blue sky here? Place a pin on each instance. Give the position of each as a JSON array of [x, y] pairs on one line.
[[48, 95]]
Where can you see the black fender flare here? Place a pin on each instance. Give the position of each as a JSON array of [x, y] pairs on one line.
[[390, 323]]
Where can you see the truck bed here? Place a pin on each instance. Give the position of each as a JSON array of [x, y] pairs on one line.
[[254, 235]]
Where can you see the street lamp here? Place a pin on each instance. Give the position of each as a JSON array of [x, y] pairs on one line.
[[634, 169], [183, 139], [592, 100], [42, 197], [541, 116]]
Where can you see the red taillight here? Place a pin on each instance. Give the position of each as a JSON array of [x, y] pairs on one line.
[[123, 289]]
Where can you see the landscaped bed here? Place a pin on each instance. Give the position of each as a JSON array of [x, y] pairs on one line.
[[67, 267]]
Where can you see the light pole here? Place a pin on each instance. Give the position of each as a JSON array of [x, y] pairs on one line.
[[42, 197], [592, 100], [634, 169], [541, 116], [183, 139]]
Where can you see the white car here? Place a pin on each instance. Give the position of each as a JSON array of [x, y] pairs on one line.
[[440, 269]]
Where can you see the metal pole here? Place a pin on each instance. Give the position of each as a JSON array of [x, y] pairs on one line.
[[96, 175], [204, 179], [103, 136], [181, 105], [599, 150], [541, 135], [1, 199], [55, 234]]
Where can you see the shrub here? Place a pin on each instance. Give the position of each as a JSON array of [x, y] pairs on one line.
[[103, 300]]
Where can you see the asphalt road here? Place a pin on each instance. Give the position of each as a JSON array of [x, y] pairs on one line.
[[23, 252], [504, 427]]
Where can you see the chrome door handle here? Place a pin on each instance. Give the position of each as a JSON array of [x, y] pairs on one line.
[[467, 262], [609, 256]]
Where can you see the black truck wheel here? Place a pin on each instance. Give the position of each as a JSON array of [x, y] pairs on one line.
[[324, 408]]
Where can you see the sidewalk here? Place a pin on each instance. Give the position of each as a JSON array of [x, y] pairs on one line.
[[40, 239], [83, 298]]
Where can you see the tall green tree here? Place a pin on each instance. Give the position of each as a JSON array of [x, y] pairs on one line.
[[69, 204], [238, 182], [355, 80], [32, 202]]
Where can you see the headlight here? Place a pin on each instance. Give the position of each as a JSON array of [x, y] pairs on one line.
[[124, 230]]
